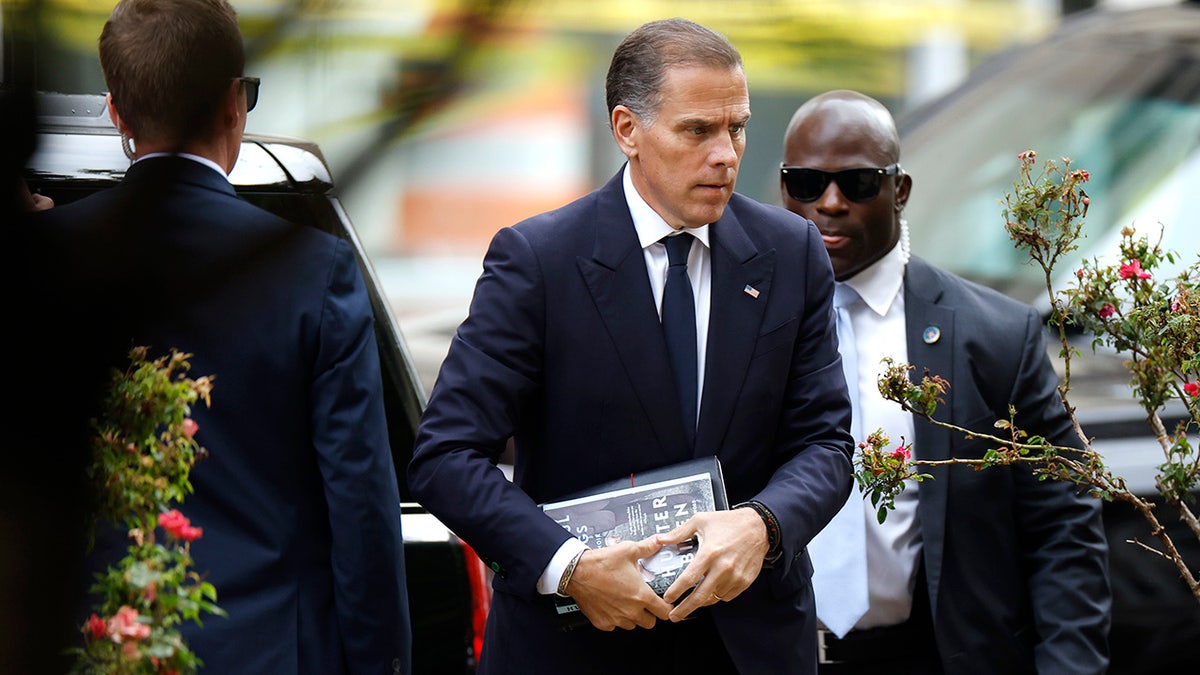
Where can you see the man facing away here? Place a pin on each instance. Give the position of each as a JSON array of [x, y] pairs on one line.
[[988, 571], [298, 497], [566, 352]]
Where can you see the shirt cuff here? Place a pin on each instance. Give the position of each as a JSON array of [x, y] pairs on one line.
[[548, 583]]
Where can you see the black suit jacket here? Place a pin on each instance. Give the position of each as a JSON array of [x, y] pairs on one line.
[[1016, 567], [564, 352], [298, 497]]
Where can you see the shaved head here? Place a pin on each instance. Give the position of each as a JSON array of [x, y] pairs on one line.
[[841, 131], [850, 108]]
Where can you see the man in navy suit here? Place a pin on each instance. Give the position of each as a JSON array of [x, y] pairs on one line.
[[565, 353], [297, 497], [987, 571]]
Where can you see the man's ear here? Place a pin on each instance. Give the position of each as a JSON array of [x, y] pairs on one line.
[[903, 188], [626, 129], [231, 106], [115, 116]]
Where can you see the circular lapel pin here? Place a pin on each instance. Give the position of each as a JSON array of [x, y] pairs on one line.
[[932, 334]]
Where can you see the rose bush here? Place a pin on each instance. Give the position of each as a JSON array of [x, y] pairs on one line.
[[144, 452], [1154, 323]]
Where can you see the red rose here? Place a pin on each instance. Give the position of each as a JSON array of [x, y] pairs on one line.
[[173, 522], [96, 627], [1106, 311], [189, 533], [1192, 389], [902, 452]]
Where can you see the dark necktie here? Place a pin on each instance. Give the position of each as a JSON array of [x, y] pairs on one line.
[[679, 327]]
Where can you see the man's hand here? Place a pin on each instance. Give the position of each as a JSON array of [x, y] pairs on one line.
[[611, 591], [733, 545]]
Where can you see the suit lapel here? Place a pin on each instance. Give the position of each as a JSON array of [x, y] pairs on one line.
[[735, 318], [923, 313], [617, 280]]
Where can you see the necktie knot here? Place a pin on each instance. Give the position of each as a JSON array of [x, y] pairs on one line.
[[678, 247]]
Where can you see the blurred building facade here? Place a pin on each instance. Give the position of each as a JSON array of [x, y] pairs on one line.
[[445, 120]]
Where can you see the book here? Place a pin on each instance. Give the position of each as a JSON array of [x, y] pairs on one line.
[[633, 508]]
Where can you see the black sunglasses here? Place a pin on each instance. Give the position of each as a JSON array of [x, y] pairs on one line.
[[250, 84], [857, 185]]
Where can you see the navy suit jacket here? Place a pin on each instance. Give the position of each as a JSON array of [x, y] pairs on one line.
[[1016, 567], [563, 351], [298, 496]]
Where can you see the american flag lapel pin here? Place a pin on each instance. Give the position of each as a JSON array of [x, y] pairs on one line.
[[750, 291]]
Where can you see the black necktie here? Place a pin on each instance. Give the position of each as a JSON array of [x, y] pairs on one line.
[[679, 327]]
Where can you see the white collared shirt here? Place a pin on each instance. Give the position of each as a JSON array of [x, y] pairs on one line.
[[195, 158], [893, 547], [650, 228]]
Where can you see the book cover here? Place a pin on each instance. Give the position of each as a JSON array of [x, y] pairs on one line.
[[642, 505]]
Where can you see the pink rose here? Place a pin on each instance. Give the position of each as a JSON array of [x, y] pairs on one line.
[[190, 427], [131, 651], [1175, 306], [124, 625], [1192, 389], [1106, 311], [1027, 156], [902, 453], [1131, 269], [95, 627]]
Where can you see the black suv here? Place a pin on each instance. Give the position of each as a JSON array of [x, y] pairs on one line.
[[79, 152]]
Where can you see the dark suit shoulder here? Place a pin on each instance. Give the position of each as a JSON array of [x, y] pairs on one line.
[[173, 199]]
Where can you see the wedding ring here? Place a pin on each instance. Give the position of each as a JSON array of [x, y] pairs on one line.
[[718, 598]]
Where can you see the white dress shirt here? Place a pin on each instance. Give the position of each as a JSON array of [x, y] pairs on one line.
[[894, 547], [195, 158], [650, 228]]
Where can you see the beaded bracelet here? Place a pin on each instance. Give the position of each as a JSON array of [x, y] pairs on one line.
[[566, 575], [768, 518]]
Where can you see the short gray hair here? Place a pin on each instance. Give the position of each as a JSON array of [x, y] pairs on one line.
[[640, 62]]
